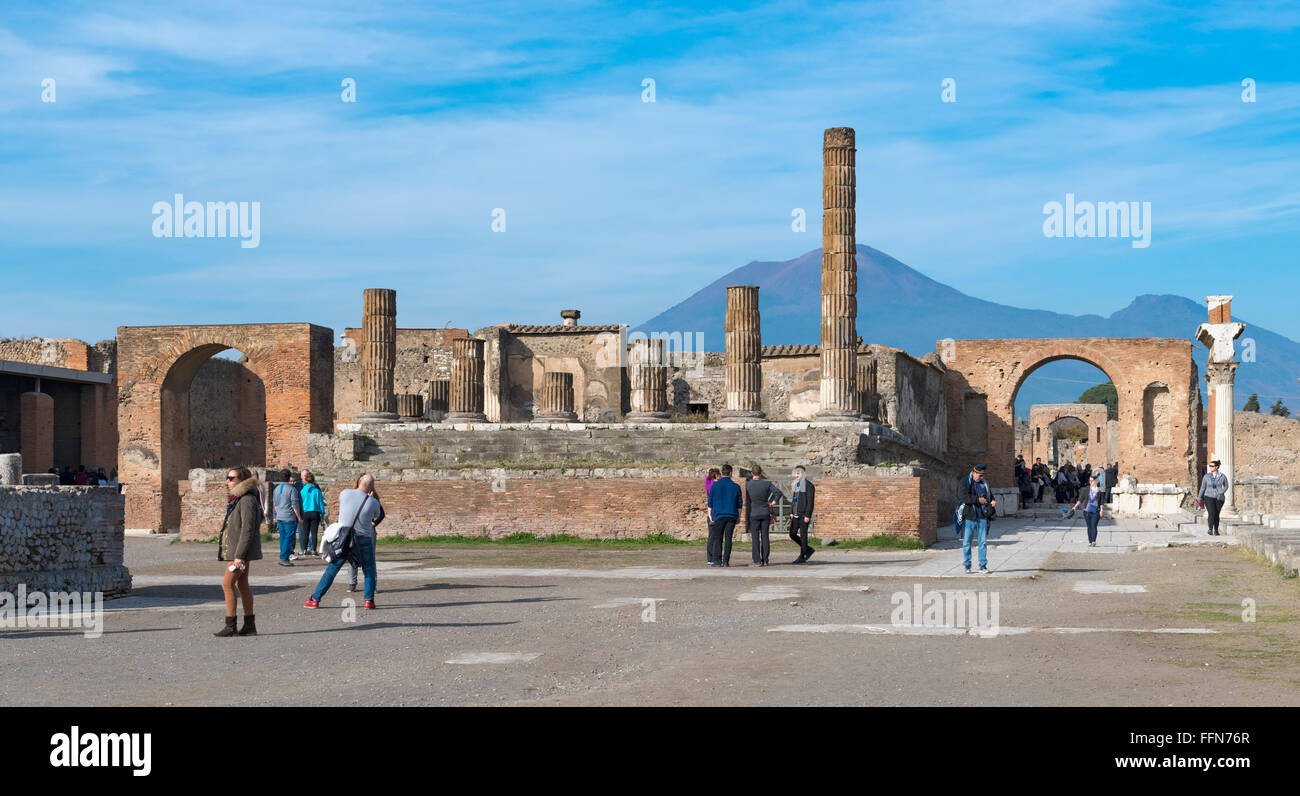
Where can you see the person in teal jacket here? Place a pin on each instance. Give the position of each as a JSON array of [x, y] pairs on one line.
[[313, 509]]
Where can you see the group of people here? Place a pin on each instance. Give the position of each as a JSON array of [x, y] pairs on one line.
[[298, 507], [1066, 483], [83, 477], [724, 502]]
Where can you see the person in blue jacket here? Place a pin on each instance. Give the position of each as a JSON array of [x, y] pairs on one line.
[[724, 511]]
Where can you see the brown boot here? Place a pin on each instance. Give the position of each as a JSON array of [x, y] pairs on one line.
[[250, 625], [228, 630]]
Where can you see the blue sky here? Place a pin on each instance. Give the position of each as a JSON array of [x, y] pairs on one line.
[[614, 205]]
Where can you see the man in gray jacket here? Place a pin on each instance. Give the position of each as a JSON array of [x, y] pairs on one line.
[[1214, 486], [762, 495]]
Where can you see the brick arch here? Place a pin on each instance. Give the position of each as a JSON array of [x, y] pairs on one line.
[[999, 367], [1044, 416], [156, 365]]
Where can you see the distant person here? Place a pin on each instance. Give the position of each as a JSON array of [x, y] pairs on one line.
[[81, 478], [313, 508], [724, 510], [239, 542], [763, 495], [287, 503], [66, 478], [1092, 512], [713, 475], [802, 495], [361, 508], [1112, 478], [977, 500], [1214, 487]]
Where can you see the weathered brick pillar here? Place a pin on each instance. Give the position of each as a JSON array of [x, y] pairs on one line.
[[744, 344], [36, 435], [466, 398], [439, 394], [647, 376], [557, 399], [410, 406], [840, 399], [378, 356]]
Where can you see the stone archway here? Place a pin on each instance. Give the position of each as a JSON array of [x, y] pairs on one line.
[[998, 368], [1042, 417], [156, 366]]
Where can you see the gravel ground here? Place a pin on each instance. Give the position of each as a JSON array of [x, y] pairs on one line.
[[574, 638]]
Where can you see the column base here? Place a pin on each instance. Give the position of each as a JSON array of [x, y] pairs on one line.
[[646, 417], [465, 417], [376, 417], [563, 417], [837, 416], [740, 416]]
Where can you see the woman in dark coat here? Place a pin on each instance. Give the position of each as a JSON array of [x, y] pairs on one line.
[[239, 543]]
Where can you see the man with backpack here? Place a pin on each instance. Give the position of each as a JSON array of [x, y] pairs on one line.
[[978, 504]]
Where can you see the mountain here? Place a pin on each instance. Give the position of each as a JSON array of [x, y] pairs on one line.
[[901, 307]]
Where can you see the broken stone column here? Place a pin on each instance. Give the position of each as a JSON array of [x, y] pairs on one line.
[[647, 375], [378, 356], [439, 394], [1221, 373], [557, 399], [570, 317], [840, 399], [744, 344], [11, 469], [465, 403], [410, 406], [867, 383]]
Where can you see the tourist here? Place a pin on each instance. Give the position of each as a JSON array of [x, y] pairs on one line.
[[1092, 512], [1102, 481], [1112, 478], [724, 509], [713, 475], [763, 495], [1040, 480], [82, 477], [313, 508], [1214, 486], [240, 542], [802, 494], [66, 478], [974, 514], [287, 503], [360, 507]]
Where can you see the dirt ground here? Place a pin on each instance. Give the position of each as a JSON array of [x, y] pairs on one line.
[[570, 625]]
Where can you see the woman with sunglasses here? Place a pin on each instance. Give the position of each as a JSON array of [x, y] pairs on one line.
[[239, 543]]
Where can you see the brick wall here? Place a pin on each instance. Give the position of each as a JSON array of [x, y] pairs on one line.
[[1267, 445], [847, 508]]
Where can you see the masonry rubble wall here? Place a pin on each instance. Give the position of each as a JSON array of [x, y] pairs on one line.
[[63, 539]]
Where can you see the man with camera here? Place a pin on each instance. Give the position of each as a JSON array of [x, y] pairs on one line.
[[978, 507]]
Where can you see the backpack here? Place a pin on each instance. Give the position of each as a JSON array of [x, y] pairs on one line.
[[337, 542]]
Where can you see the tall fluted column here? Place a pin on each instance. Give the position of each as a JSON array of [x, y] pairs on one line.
[[378, 356], [744, 350], [439, 395], [840, 399], [410, 406], [557, 399], [647, 375], [466, 399]]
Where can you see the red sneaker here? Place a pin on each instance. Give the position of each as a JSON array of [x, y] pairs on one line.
[[311, 604], [370, 603]]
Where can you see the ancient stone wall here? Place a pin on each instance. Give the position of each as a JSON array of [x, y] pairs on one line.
[[1043, 416], [1267, 445], [518, 356], [422, 356], [227, 415], [62, 539], [487, 503]]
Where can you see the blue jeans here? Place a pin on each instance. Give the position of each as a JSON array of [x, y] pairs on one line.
[[363, 554], [1091, 517], [288, 533], [971, 528]]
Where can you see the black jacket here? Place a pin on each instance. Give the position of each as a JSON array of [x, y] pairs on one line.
[[803, 501]]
